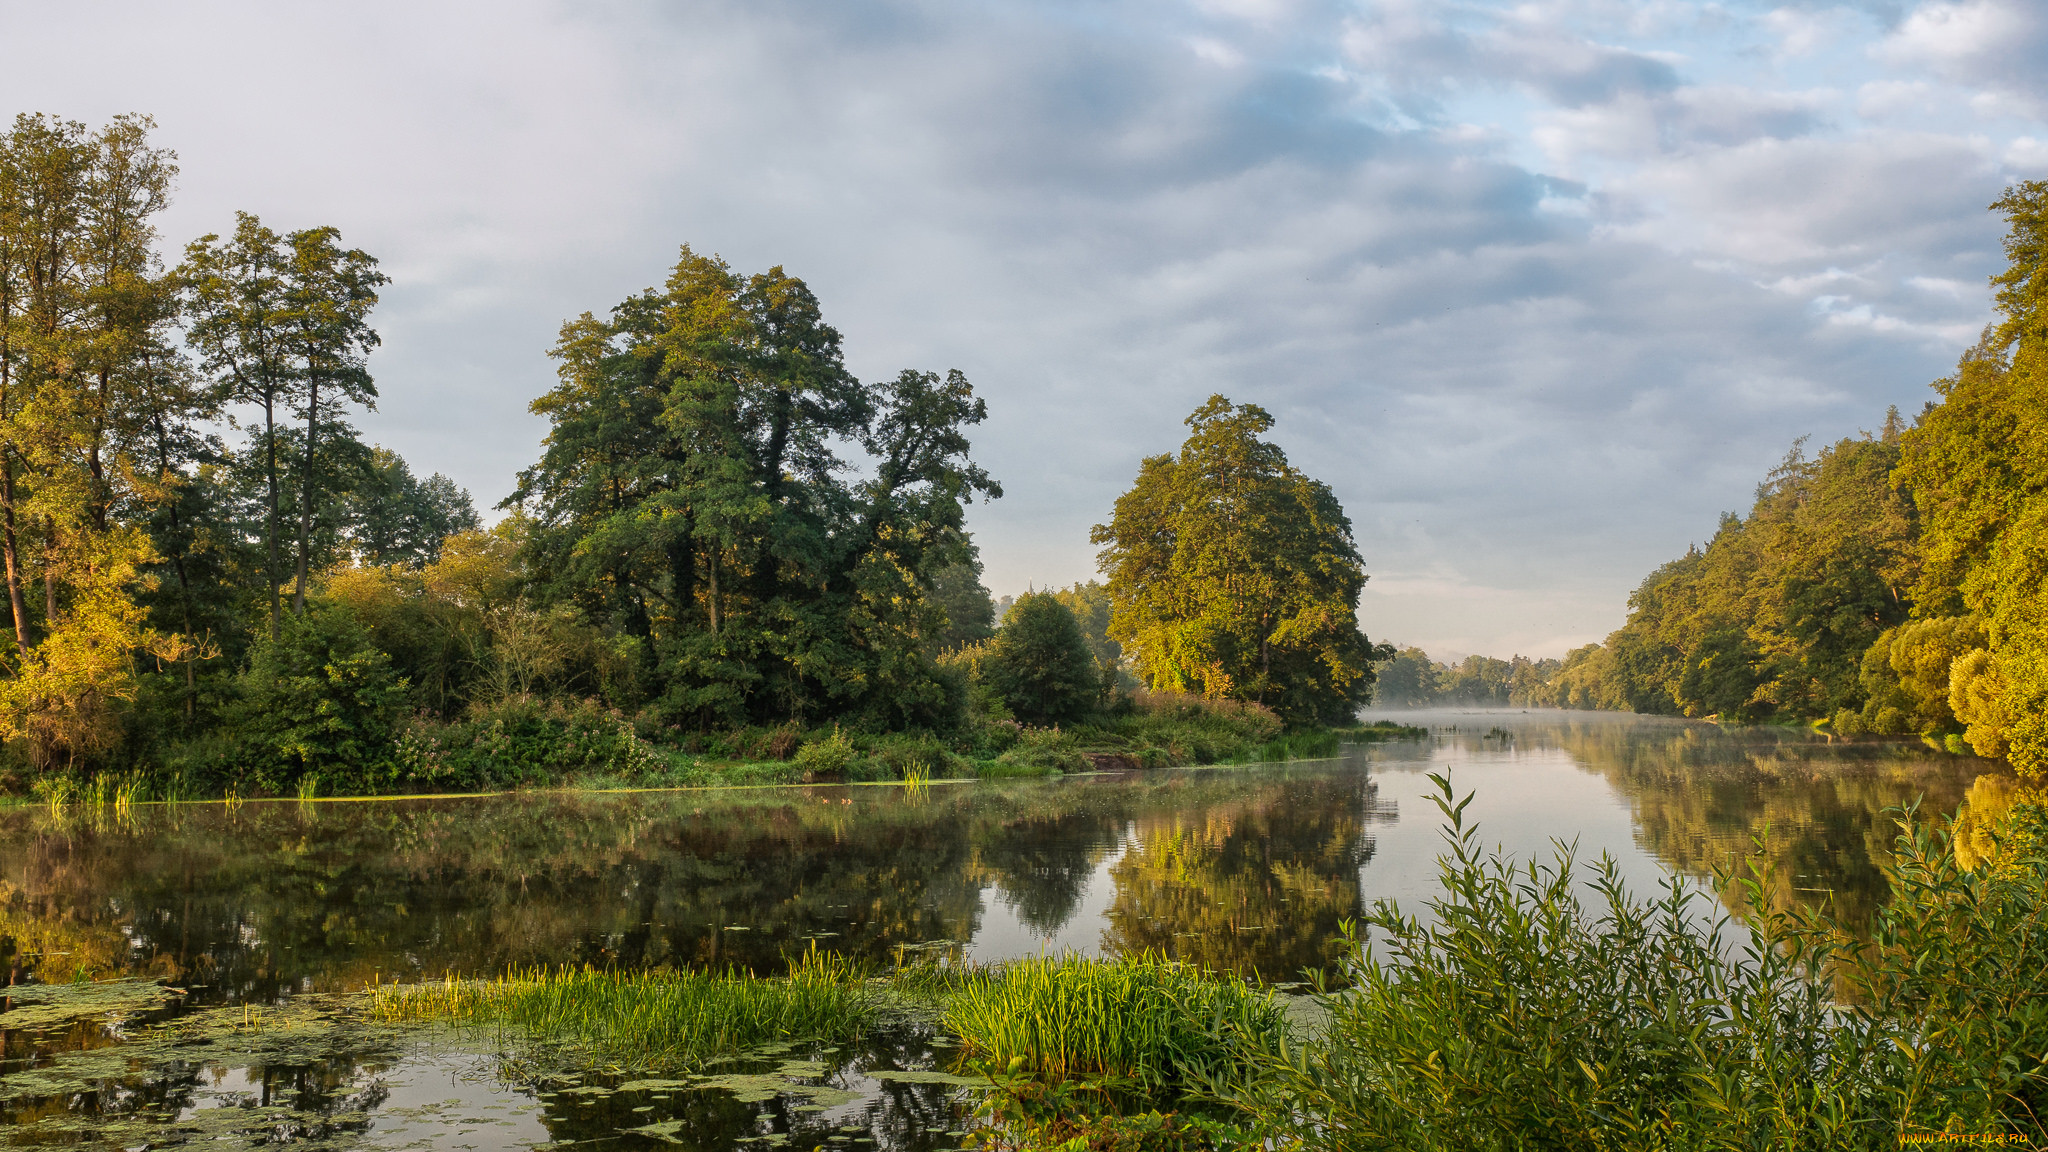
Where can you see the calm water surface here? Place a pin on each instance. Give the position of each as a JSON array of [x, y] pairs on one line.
[[273, 916]]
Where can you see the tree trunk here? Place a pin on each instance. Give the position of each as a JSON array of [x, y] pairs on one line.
[[15, 603], [270, 475], [306, 494], [50, 576]]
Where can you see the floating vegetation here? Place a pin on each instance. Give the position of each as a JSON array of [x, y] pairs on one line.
[[33, 1007], [653, 1018]]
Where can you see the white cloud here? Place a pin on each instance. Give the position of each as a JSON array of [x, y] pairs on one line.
[[1527, 389], [1995, 45]]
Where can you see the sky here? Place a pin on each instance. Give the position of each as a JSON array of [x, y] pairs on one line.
[[1539, 289]]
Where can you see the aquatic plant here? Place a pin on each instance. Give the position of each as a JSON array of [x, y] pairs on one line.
[[55, 790], [657, 1018], [1310, 744], [1520, 1017], [1141, 1027]]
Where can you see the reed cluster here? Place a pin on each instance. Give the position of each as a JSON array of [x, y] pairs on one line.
[[655, 1018], [1145, 1024]]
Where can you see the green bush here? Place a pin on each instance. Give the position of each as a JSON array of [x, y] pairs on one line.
[[1039, 663], [320, 700], [525, 742], [828, 756], [1047, 750], [1519, 1017]]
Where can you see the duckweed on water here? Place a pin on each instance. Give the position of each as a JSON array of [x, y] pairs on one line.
[[653, 1018]]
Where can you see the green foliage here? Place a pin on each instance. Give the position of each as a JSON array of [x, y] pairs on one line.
[[524, 742], [1039, 664], [1979, 470], [658, 1018], [827, 757], [1130, 1032], [970, 611], [690, 496], [320, 699], [1091, 605], [1517, 1016], [1045, 750], [1233, 575]]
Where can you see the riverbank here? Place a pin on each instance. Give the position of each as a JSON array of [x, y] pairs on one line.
[[528, 744]]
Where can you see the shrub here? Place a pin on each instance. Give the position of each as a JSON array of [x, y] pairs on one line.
[[827, 757], [1046, 750], [1519, 1017], [1039, 663], [320, 699]]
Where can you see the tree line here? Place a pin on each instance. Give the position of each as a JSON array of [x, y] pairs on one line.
[[141, 524], [210, 575], [1893, 583]]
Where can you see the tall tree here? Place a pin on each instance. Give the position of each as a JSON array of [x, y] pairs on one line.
[[1234, 575], [1977, 465], [691, 493], [329, 292], [86, 309], [235, 294]]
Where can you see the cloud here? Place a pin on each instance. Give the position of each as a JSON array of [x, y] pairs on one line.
[[1996, 46], [1539, 289]]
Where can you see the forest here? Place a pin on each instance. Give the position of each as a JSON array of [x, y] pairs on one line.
[[1889, 584], [733, 559]]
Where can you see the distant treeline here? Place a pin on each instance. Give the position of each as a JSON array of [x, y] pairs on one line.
[[1412, 680], [1894, 583]]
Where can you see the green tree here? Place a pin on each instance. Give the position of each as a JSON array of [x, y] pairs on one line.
[[283, 323], [1091, 606], [84, 316], [1773, 617], [328, 294], [970, 610], [1040, 664], [235, 302], [1977, 465], [691, 495], [1407, 679], [321, 699], [395, 517], [1233, 575]]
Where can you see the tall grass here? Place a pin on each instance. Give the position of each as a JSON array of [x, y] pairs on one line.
[[1144, 1026], [649, 1018], [1526, 1016]]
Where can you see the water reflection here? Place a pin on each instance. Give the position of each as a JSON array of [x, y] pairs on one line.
[[1696, 795], [1250, 870]]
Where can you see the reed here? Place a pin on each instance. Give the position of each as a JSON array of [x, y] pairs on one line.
[[309, 786], [56, 791], [654, 1019], [130, 789], [1150, 1027]]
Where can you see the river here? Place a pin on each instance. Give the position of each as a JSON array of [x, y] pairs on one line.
[[271, 917]]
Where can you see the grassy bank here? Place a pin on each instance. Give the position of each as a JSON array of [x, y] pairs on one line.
[[535, 744]]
